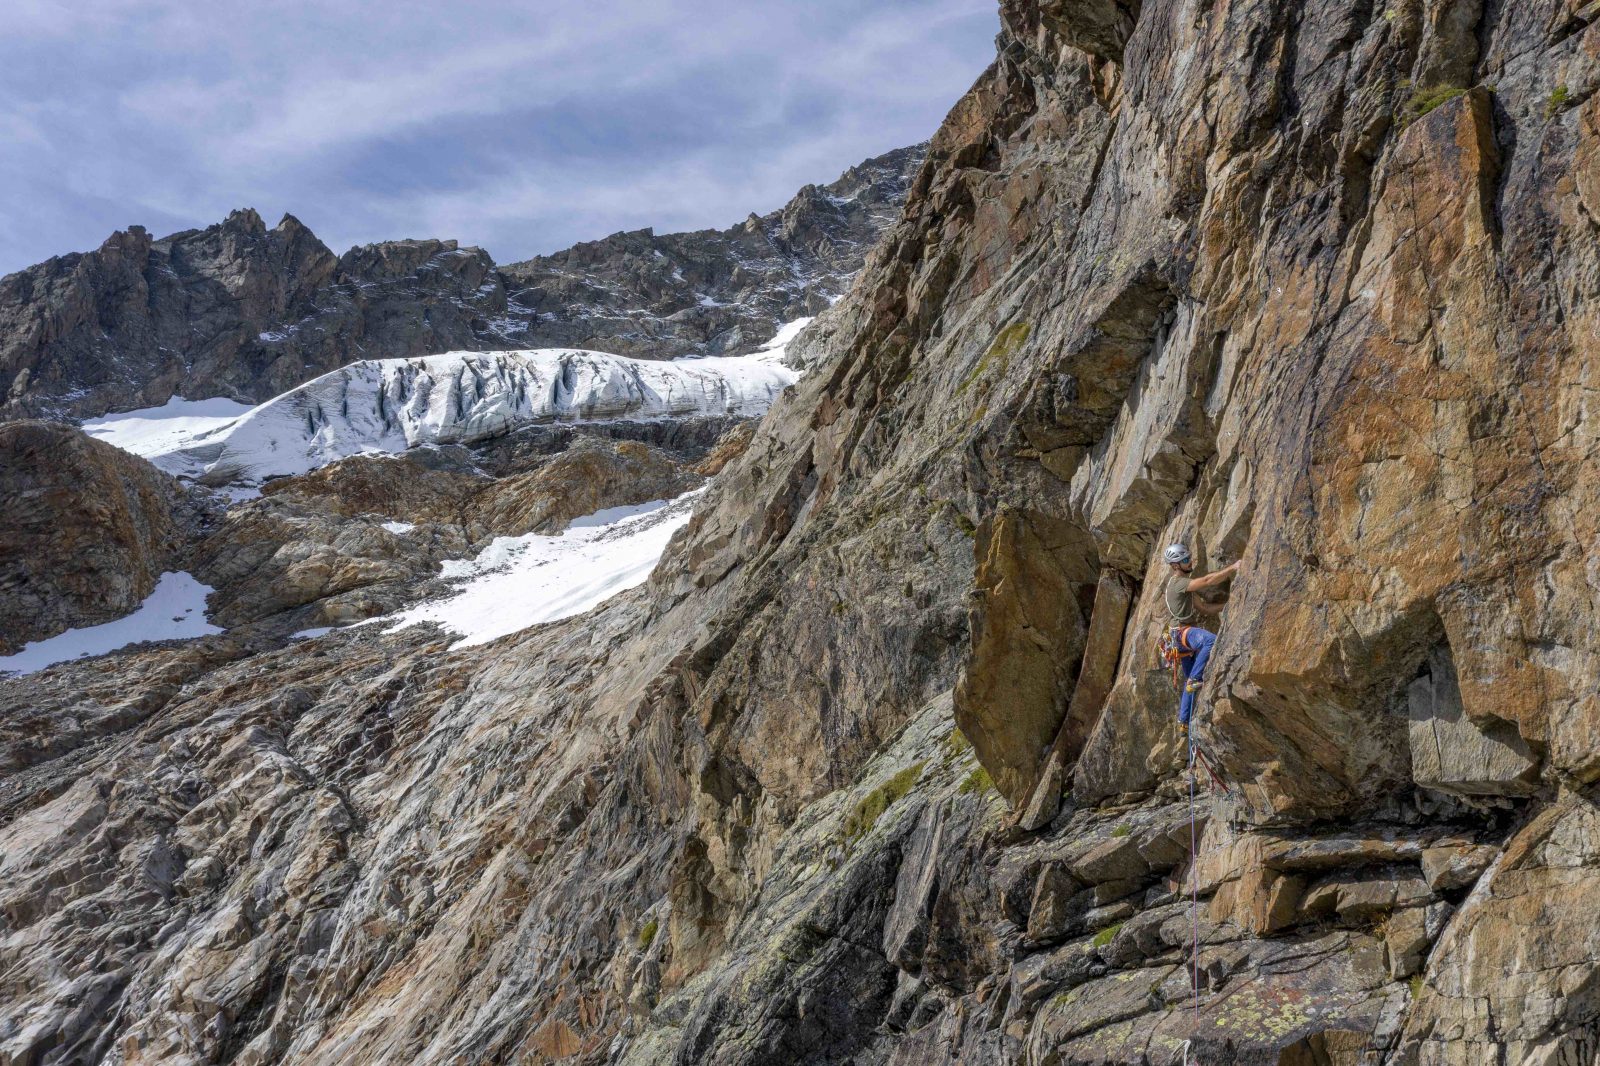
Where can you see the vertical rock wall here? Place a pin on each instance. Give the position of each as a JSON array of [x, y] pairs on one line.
[[1308, 282]]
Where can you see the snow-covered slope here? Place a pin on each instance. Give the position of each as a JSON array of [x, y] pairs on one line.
[[521, 581], [175, 610], [458, 397], [155, 430]]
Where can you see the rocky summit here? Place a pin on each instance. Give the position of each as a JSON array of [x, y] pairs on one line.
[[879, 765], [246, 312], [713, 291]]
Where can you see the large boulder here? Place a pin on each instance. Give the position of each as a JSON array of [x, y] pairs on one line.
[[85, 532], [590, 476]]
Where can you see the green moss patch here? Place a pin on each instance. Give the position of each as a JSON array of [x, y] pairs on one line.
[[977, 783], [962, 522], [1429, 99], [871, 806], [1559, 99], [647, 934], [1005, 345], [1106, 935]]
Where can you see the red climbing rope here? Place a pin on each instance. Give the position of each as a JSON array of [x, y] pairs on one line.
[[1216, 779]]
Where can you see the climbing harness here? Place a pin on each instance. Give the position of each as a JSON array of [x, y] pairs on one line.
[[1172, 649]]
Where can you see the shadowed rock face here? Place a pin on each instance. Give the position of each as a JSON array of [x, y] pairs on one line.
[[248, 312], [1280, 279]]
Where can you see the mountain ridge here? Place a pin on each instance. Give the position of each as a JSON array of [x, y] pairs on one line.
[[243, 311]]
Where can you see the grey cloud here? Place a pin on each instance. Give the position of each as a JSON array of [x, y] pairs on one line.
[[520, 127]]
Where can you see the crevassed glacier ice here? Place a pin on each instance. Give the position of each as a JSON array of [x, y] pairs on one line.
[[388, 405]]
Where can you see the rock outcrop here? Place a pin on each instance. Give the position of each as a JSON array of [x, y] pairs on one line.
[[879, 768], [236, 310], [366, 536], [591, 475], [247, 312], [85, 531]]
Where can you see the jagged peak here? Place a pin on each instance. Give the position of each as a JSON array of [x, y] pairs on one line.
[[135, 236], [246, 219], [290, 224]]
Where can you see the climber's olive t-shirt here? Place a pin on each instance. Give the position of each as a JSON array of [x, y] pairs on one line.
[[1180, 601]]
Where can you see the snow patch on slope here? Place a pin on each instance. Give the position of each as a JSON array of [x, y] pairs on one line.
[[774, 350], [390, 405], [518, 582], [175, 609], [155, 430]]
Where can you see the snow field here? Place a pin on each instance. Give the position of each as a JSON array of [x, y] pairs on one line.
[[517, 582], [175, 609]]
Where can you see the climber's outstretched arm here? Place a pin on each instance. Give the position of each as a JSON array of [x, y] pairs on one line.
[[1215, 578]]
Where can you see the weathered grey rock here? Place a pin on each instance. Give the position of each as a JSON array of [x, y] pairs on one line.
[[1364, 896], [1059, 905], [1448, 867], [1514, 971], [1452, 753]]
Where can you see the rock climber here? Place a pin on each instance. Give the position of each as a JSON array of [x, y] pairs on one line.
[[1187, 645]]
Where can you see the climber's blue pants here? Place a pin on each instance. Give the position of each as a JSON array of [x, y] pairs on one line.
[[1194, 669]]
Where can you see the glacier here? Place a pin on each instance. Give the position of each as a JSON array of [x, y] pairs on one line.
[[156, 430], [389, 405]]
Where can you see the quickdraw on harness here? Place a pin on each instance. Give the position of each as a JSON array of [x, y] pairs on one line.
[[1171, 650]]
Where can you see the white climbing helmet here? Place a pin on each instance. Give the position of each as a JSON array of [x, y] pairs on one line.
[[1176, 554]]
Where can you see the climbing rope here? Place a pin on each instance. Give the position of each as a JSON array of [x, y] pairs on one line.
[[1194, 896], [1197, 755]]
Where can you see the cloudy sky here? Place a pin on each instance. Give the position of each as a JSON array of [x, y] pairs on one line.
[[521, 126]]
